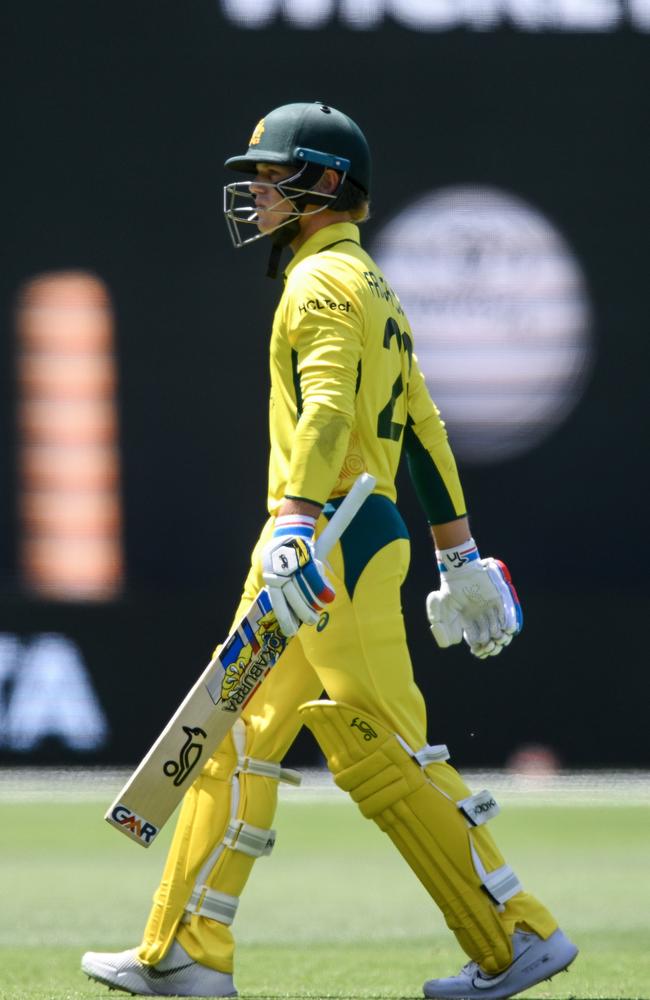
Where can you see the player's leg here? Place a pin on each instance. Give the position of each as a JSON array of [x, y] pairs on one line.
[[226, 817], [226, 823], [161, 966], [223, 826], [267, 729], [377, 750]]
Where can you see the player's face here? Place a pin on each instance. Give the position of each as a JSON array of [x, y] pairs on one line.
[[272, 208]]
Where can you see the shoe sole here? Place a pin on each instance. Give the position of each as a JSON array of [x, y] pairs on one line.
[[495, 995], [93, 977], [547, 979], [112, 987]]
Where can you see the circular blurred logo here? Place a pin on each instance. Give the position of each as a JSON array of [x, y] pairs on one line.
[[500, 316]]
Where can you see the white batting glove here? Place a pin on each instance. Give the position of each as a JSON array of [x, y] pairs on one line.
[[294, 577], [476, 602]]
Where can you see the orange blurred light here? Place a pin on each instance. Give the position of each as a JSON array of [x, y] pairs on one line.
[[70, 508]]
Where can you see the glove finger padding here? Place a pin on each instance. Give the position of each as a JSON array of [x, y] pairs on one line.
[[509, 620], [495, 621], [294, 597], [476, 630], [492, 648], [314, 584], [287, 620], [444, 620], [499, 574]]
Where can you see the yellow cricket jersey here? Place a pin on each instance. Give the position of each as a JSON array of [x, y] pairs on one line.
[[346, 389]]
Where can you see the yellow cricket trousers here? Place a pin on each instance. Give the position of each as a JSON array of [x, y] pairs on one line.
[[359, 656]]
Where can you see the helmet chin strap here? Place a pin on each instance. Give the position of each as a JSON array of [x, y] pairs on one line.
[[279, 240], [309, 175]]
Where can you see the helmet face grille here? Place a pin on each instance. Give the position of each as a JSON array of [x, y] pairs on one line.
[[294, 194]]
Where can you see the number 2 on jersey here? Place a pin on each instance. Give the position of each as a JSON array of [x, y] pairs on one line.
[[386, 426]]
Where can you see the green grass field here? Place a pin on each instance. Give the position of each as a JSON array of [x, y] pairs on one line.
[[334, 913]]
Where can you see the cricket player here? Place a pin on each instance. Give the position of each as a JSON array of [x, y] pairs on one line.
[[347, 395]]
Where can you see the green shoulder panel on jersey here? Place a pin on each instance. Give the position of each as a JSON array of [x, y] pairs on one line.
[[297, 388], [377, 523]]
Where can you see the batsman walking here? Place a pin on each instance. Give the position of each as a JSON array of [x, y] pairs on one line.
[[347, 396]]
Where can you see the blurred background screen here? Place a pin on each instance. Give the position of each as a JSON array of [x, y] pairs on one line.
[[510, 213]]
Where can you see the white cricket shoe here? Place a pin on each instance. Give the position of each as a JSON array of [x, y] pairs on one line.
[[176, 975], [533, 961]]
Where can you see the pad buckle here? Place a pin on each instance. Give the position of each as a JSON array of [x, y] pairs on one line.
[[502, 884], [206, 902], [432, 755], [268, 769], [251, 840], [479, 808]]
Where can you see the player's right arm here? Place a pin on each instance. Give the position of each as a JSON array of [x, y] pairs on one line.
[[476, 600], [323, 330]]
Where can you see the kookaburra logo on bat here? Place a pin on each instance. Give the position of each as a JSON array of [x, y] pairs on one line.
[[188, 757]]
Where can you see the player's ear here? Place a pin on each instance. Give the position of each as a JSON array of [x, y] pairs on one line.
[[328, 182]]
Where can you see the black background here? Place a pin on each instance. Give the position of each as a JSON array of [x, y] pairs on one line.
[[120, 119]]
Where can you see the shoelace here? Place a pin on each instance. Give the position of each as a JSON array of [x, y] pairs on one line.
[[474, 969]]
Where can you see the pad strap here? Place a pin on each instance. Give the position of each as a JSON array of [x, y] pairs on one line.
[[206, 902], [502, 884], [268, 769], [427, 755], [251, 840], [431, 755], [479, 808]]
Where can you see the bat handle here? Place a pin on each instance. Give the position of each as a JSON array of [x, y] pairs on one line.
[[328, 538]]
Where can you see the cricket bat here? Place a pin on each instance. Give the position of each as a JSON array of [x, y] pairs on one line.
[[215, 702]]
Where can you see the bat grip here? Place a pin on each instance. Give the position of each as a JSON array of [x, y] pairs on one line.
[[328, 538]]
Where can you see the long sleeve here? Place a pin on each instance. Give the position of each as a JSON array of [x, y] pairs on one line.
[[324, 327], [431, 463]]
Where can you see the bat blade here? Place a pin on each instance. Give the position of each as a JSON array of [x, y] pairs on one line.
[[214, 704], [199, 725]]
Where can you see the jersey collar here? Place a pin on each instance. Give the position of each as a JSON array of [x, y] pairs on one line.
[[321, 239]]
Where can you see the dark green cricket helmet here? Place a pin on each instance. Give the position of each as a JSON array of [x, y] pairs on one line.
[[309, 133]]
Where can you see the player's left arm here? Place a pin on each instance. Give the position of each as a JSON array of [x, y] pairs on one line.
[[476, 600], [324, 325]]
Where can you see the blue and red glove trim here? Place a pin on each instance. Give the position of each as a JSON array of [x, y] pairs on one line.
[[312, 585], [505, 573], [295, 524]]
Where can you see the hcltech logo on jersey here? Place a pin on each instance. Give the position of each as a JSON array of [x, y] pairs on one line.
[[314, 305]]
